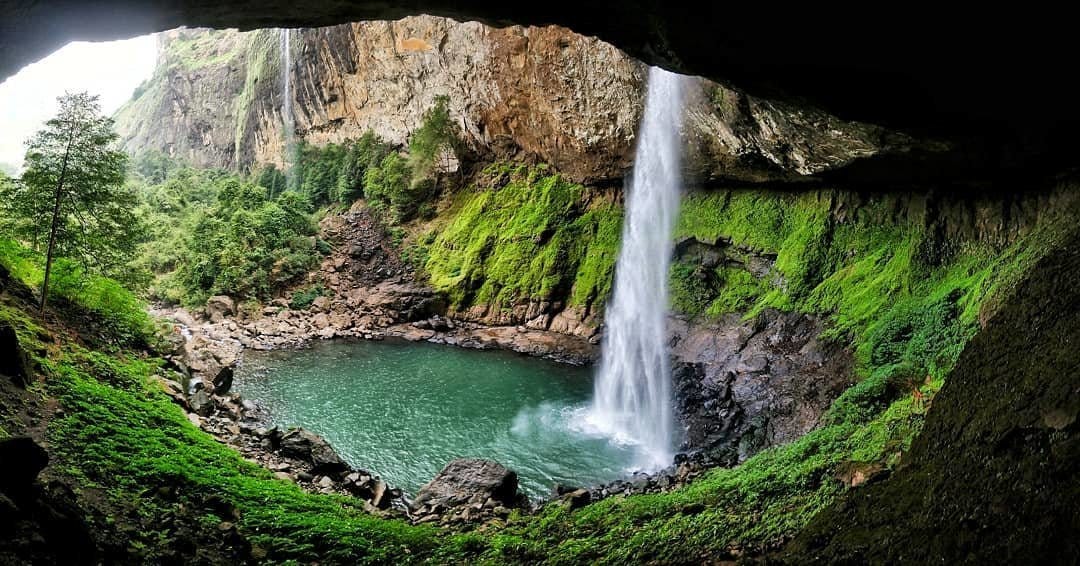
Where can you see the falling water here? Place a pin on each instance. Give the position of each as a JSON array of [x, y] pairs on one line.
[[288, 122], [632, 401]]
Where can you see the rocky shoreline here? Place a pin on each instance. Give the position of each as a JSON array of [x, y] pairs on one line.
[[741, 385]]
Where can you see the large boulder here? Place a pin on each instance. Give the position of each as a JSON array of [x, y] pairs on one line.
[[315, 450], [467, 481], [220, 307], [21, 460], [13, 361]]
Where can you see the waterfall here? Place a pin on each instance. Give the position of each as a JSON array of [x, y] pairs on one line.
[[632, 401], [288, 123]]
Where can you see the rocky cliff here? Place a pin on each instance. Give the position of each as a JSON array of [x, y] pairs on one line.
[[541, 93]]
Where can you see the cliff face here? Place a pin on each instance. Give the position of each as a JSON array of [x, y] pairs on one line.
[[523, 92]]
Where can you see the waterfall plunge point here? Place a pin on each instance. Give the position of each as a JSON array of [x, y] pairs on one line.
[[632, 401]]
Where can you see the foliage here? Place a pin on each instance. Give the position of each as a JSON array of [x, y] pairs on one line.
[[533, 236], [303, 298], [272, 179], [214, 233], [877, 278], [388, 188], [70, 200], [247, 245], [119, 317], [434, 143], [363, 155]]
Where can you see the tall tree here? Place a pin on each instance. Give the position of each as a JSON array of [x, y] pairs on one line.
[[434, 144], [71, 197]]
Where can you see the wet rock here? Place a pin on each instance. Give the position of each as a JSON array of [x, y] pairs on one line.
[[312, 449], [220, 307], [223, 380], [13, 360], [21, 460], [742, 386], [465, 480]]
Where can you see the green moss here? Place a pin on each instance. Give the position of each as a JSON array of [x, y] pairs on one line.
[[535, 237], [886, 283]]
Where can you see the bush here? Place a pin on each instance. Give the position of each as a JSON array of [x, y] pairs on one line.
[[303, 298]]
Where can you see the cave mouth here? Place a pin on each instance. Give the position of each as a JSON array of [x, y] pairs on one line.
[[403, 410]]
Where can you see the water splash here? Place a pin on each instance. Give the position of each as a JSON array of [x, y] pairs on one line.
[[288, 121], [632, 402]]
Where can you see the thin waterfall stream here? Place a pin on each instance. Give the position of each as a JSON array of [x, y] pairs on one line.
[[632, 401], [288, 121]]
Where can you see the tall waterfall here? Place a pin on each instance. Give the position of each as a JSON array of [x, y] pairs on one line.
[[632, 400], [288, 124]]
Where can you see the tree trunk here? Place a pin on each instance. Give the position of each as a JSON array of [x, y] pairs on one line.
[[57, 196]]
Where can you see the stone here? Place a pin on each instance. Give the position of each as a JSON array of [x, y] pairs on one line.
[[21, 460], [202, 402], [463, 479], [223, 380], [313, 449], [577, 498], [220, 307], [320, 304], [13, 360], [378, 495]]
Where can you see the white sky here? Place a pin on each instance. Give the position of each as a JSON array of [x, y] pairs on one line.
[[111, 69]]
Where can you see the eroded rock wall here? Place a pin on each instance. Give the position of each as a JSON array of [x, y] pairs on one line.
[[541, 93]]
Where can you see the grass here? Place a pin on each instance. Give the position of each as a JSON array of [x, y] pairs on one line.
[[119, 315]]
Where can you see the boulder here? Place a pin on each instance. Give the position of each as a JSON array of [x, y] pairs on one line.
[[223, 380], [202, 403], [13, 360], [220, 307], [320, 304], [315, 450], [21, 460], [465, 480]]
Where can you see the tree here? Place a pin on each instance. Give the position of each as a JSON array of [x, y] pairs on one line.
[[433, 144], [71, 196]]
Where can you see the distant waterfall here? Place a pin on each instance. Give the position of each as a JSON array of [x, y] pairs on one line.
[[632, 400], [288, 122]]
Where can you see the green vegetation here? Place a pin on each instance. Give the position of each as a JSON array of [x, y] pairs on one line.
[[531, 235], [302, 299], [401, 186], [897, 289], [247, 245], [119, 317], [70, 201], [193, 50], [120, 434]]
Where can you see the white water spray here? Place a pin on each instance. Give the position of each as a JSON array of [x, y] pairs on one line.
[[632, 400], [288, 122]]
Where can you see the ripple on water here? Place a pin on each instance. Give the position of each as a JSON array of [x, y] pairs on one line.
[[403, 410]]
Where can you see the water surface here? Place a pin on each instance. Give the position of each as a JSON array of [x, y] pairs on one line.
[[403, 410]]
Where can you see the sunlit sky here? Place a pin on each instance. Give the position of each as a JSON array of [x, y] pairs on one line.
[[111, 69]]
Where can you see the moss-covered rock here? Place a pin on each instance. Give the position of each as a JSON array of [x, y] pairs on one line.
[[995, 475]]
